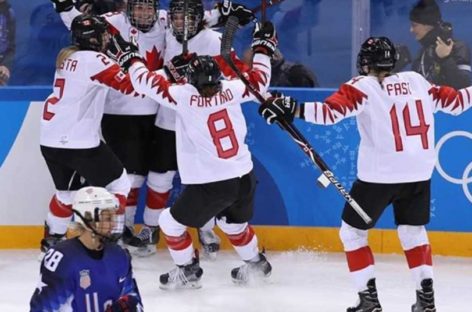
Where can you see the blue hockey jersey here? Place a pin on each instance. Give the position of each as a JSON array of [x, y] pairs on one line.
[[74, 278]]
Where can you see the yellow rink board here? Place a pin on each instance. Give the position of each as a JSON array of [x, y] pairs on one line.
[[284, 238]]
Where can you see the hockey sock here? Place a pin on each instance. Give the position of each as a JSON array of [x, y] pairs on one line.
[[360, 259], [415, 243], [59, 216]]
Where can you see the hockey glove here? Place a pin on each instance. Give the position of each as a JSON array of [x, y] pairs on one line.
[[125, 304], [264, 39], [63, 5], [123, 52], [276, 109], [176, 68], [230, 8]]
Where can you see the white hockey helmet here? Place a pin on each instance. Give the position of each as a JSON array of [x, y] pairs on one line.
[[88, 204]]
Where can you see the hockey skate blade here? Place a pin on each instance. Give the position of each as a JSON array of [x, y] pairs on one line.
[[142, 252], [188, 285], [252, 280], [209, 256]]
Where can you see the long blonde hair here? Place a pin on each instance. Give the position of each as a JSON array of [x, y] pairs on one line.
[[65, 53]]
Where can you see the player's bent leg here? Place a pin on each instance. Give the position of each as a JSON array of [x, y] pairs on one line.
[[136, 182], [244, 241], [415, 244], [57, 220], [188, 273], [361, 266], [120, 187], [158, 193], [209, 240]]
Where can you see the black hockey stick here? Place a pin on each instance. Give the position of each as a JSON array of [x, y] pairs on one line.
[[264, 5], [185, 37], [226, 43]]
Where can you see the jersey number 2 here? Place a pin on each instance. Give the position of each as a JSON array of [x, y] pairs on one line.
[[421, 129], [225, 131], [59, 83]]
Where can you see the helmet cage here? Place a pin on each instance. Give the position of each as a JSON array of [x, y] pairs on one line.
[[88, 207], [141, 19], [177, 18]]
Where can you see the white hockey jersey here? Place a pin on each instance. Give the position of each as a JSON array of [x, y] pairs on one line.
[[72, 113], [151, 46], [395, 121], [210, 132], [206, 42]]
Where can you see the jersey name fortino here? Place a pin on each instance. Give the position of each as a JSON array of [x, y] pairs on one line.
[[218, 99]]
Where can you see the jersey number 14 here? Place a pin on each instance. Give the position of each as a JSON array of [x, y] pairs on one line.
[[410, 130]]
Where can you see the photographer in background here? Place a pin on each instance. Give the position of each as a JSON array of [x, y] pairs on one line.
[[442, 59]]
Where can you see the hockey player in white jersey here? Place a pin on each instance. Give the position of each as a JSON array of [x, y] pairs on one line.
[[127, 122], [214, 162], [204, 41], [396, 160], [127, 125], [70, 125]]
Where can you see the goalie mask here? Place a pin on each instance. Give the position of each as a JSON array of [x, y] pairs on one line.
[[90, 32], [96, 210], [377, 53], [205, 75], [142, 14], [177, 18]]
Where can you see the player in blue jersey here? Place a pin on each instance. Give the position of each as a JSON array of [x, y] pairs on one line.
[[89, 273]]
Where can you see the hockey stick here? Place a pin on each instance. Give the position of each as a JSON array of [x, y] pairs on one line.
[[264, 5], [226, 43], [185, 38]]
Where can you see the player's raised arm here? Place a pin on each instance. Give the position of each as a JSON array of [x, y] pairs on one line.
[[450, 100], [348, 101], [263, 45]]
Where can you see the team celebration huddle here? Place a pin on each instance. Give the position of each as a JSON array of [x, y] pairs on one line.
[[147, 92]]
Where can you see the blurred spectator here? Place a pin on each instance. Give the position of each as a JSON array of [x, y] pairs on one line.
[[286, 74], [442, 59], [36, 64], [7, 40]]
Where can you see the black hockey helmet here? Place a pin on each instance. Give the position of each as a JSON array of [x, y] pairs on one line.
[[142, 14], [87, 32], [204, 72], [377, 53], [177, 17]]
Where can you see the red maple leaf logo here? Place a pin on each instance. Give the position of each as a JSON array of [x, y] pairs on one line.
[[154, 60], [257, 78]]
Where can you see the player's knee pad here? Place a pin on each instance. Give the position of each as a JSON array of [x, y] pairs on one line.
[[120, 186], [169, 225], [412, 236], [231, 228], [160, 182], [352, 237], [135, 180]]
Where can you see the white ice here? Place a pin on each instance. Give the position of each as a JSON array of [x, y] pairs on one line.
[[301, 281]]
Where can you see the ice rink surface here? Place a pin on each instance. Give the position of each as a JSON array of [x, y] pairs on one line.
[[301, 281]]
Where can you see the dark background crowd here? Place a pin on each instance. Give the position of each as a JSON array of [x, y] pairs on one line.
[[315, 41]]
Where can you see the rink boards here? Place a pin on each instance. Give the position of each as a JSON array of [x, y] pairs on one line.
[[290, 210]]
